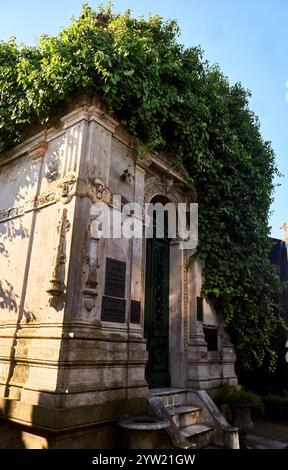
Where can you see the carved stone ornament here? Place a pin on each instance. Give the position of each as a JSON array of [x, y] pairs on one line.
[[91, 283], [53, 167], [65, 187], [94, 188], [64, 191], [89, 301], [56, 284], [159, 186]]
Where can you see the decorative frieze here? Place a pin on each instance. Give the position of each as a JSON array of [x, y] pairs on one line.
[[64, 191], [94, 188], [65, 188], [160, 186]]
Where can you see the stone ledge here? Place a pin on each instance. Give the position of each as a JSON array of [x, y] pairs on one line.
[[99, 436], [60, 420], [73, 331]]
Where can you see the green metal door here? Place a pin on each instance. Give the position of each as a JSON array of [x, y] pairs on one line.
[[157, 312]]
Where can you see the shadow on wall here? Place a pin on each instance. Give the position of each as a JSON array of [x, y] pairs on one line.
[[21, 180], [11, 435], [21, 177], [9, 300]]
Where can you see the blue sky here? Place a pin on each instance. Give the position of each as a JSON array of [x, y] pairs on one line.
[[248, 39]]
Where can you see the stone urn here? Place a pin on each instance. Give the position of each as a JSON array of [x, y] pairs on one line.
[[142, 432], [241, 418]]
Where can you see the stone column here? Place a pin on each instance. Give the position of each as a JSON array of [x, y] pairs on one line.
[[197, 347], [178, 326], [228, 357]]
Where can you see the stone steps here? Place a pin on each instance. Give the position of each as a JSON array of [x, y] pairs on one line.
[[170, 397], [187, 418], [185, 415], [198, 434]]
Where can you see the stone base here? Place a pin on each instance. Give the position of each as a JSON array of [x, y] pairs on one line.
[[16, 436], [90, 427]]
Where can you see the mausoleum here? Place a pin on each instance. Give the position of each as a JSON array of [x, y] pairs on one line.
[[89, 326]]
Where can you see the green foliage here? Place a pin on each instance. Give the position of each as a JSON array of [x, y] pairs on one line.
[[276, 408], [171, 99], [228, 395]]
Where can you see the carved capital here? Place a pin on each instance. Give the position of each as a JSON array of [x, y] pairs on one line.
[[89, 299], [159, 186], [38, 151], [65, 187], [94, 188]]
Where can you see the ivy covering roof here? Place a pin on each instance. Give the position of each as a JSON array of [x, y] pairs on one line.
[[170, 98]]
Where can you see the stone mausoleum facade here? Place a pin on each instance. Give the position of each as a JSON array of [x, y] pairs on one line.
[[87, 325]]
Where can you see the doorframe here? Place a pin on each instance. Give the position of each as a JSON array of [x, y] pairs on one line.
[[177, 348], [149, 310]]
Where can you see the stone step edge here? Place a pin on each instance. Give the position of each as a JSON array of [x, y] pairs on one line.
[[182, 409], [171, 392], [195, 430]]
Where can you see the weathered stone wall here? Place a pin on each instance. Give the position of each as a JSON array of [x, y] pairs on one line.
[[55, 352], [61, 365]]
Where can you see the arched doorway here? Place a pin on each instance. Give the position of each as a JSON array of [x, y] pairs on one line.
[[156, 325]]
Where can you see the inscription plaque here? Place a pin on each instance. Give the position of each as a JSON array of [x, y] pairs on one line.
[[135, 313], [113, 310], [115, 278]]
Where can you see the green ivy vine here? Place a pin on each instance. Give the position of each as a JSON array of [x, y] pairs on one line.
[[170, 98]]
